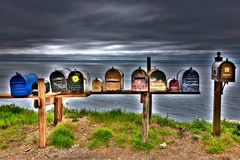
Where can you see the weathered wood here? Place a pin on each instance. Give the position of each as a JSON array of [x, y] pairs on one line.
[[57, 110], [145, 120], [42, 114], [217, 108], [7, 95]]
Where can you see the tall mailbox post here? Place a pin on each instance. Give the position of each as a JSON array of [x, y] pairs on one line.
[[223, 71]]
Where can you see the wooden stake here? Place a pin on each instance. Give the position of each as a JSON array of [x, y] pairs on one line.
[[217, 108], [145, 120], [42, 114], [150, 95], [57, 110]]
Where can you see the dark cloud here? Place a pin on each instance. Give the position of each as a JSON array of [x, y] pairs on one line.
[[119, 27]]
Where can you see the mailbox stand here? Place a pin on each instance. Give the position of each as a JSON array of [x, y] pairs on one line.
[[220, 73]]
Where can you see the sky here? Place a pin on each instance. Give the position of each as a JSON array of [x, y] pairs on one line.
[[95, 29]]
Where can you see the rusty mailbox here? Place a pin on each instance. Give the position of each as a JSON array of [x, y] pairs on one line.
[[174, 85], [157, 81], [139, 80], [114, 80], [223, 71], [97, 85], [59, 80]]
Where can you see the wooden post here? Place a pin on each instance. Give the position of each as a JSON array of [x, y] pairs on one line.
[[217, 108], [42, 114], [150, 95], [57, 110], [145, 120], [217, 103]]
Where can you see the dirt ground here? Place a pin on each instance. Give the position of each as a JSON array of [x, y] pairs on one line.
[[182, 149]]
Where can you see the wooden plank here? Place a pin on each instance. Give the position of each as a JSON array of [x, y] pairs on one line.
[[57, 110], [69, 95], [145, 120], [42, 114]]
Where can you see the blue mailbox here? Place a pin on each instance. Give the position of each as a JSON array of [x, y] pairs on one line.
[[21, 85], [189, 80]]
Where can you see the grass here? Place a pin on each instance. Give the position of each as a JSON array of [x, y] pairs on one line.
[[62, 136], [117, 128], [99, 138], [14, 122]]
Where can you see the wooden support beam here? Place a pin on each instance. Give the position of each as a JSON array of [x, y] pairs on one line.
[[57, 110], [217, 108], [145, 120], [42, 114]]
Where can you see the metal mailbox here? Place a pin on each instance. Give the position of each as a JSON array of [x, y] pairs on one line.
[[139, 80], [21, 85], [223, 71], [174, 85], [59, 80], [114, 80], [35, 88], [157, 81], [75, 82], [87, 80], [97, 85], [189, 80]]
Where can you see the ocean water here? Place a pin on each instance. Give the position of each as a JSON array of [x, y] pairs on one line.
[[177, 107]]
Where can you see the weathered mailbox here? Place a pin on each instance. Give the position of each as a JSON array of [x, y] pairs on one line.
[[97, 85], [59, 80], [189, 80], [139, 80], [114, 80], [223, 71], [174, 85], [157, 81], [76, 82]]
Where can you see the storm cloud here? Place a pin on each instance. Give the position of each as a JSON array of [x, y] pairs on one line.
[[113, 27]]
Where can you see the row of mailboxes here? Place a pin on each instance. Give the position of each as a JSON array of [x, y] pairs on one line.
[[186, 81], [75, 81]]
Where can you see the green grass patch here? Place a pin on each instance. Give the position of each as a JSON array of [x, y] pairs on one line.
[[14, 115], [100, 137], [62, 136]]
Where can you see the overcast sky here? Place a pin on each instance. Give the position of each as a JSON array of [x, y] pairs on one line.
[[120, 27]]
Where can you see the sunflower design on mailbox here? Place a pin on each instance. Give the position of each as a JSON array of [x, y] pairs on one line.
[[75, 81]]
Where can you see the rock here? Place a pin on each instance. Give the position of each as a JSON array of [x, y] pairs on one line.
[[163, 145]]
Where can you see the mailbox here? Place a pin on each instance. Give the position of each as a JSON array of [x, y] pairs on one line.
[[75, 82], [21, 85], [189, 80], [87, 80], [139, 80], [174, 85], [223, 71], [97, 85], [59, 80], [35, 88], [114, 80], [157, 81]]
